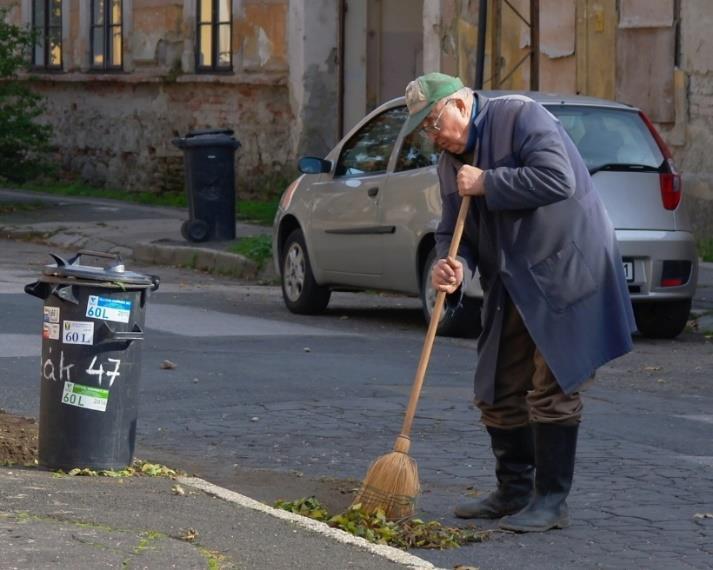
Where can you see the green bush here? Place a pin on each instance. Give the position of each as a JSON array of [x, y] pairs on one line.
[[23, 141]]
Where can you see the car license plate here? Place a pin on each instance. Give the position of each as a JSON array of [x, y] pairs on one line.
[[629, 271]]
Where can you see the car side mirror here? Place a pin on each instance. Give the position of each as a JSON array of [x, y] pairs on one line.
[[313, 165]]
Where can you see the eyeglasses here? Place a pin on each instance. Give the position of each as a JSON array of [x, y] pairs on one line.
[[434, 127]]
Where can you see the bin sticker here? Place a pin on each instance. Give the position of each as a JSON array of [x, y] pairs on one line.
[[78, 332], [51, 315], [117, 310], [85, 396], [50, 331]]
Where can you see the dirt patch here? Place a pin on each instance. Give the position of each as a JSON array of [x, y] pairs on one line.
[[263, 485], [18, 440]]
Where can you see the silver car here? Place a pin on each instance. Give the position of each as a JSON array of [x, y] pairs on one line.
[[364, 216]]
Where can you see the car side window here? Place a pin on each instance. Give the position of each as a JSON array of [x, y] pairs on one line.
[[417, 151], [368, 151]]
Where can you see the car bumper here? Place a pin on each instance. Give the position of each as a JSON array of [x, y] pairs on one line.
[[648, 249]]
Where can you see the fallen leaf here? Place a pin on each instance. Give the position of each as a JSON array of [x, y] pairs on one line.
[[168, 365], [189, 535], [178, 490]]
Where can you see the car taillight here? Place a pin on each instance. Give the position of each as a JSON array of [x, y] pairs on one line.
[[671, 183], [670, 189]]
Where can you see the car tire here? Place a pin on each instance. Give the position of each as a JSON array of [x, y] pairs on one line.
[[301, 293], [463, 321], [665, 319]]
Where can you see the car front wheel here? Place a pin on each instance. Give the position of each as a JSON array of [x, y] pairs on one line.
[[665, 319], [463, 321], [300, 291]]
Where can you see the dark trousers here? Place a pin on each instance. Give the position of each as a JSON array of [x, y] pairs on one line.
[[525, 388]]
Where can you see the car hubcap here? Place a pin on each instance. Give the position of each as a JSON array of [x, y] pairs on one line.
[[294, 272]]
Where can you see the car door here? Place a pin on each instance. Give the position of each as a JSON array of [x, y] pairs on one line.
[[411, 203], [346, 228]]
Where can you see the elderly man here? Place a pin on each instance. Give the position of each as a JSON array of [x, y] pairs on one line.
[[556, 304]]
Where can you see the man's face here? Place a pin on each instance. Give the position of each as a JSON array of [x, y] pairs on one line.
[[448, 123]]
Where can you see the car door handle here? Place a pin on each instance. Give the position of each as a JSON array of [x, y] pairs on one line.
[[372, 192]]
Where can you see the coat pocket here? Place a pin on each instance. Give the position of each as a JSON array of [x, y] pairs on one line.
[[564, 278]]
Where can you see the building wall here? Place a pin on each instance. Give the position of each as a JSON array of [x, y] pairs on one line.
[[314, 74], [116, 128], [654, 54], [694, 132]]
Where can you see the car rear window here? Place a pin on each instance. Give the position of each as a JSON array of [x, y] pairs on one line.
[[606, 137]]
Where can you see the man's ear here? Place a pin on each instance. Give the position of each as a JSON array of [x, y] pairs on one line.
[[461, 105]]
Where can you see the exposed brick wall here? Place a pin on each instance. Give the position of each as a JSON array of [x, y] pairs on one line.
[[119, 133]]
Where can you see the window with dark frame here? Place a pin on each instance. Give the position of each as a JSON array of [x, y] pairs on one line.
[[106, 35], [47, 27], [214, 46]]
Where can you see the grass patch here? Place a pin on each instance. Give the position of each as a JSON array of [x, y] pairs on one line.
[[408, 533], [256, 248], [259, 212], [705, 249], [12, 207], [78, 189]]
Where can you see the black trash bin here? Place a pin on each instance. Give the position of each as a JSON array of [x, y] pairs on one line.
[[91, 346], [209, 160]]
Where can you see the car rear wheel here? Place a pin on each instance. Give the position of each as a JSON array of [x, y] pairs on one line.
[[300, 291], [662, 319], [463, 322]]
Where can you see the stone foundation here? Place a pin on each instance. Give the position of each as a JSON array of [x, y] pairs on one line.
[[118, 133]]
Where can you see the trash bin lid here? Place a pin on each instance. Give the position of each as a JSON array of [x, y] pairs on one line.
[[115, 272], [203, 132], [208, 137]]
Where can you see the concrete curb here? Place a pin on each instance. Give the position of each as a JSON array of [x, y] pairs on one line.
[[389, 552], [201, 258]]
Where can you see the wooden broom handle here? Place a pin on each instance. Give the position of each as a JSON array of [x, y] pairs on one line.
[[402, 441]]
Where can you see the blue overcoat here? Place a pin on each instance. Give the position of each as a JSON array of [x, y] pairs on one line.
[[540, 234]]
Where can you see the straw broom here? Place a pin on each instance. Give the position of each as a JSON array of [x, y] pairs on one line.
[[391, 483]]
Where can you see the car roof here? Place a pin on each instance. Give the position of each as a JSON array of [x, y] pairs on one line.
[[546, 98]]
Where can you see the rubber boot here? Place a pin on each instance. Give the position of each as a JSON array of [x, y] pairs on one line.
[[555, 447], [514, 467]]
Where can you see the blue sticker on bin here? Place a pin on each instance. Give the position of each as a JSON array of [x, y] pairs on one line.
[[117, 310]]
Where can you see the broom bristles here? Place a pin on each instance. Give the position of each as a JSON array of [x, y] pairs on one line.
[[391, 484]]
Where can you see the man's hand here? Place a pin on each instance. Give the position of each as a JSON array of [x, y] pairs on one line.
[[447, 275], [471, 181]]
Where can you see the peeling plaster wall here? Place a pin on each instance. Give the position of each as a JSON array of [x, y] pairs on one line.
[[116, 129], [313, 74], [693, 157]]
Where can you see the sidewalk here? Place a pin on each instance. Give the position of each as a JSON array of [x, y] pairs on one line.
[[143, 234], [142, 522]]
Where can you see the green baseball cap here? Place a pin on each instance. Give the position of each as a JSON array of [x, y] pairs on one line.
[[424, 92]]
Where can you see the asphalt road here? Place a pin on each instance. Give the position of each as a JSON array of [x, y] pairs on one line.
[[275, 405]]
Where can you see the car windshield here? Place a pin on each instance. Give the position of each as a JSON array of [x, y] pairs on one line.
[[610, 139]]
